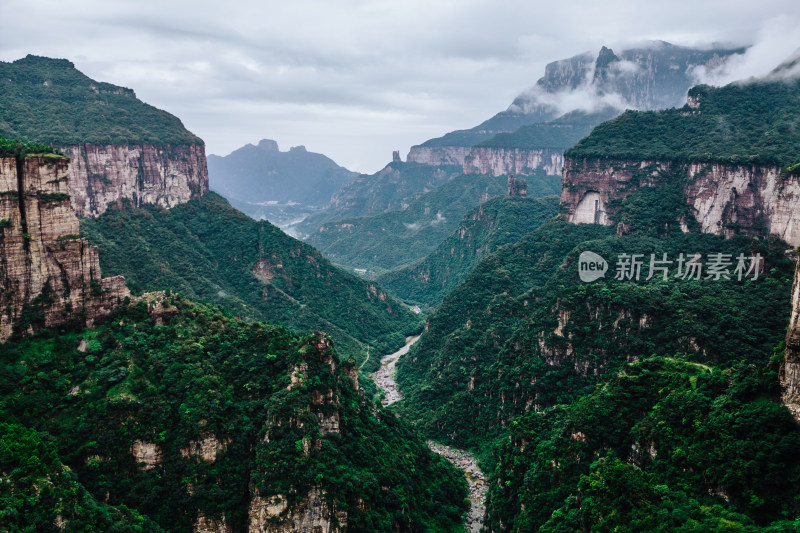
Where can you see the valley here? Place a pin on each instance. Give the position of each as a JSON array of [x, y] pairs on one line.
[[425, 352], [461, 459]]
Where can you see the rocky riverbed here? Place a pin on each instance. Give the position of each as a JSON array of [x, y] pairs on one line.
[[384, 378]]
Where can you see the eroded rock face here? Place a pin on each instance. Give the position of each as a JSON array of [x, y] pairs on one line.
[[205, 524], [312, 514], [790, 367], [724, 198], [206, 448], [48, 273], [499, 161], [105, 175], [147, 453], [438, 155]]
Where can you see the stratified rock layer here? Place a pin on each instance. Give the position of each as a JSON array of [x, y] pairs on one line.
[[725, 198], [48, 273], [144, 174], [499, 161], [790, 368]]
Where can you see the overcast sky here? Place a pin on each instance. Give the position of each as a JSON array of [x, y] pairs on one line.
[[357, 79]]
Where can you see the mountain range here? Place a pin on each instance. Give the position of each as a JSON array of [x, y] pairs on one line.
[[173, 364], [266, 183]]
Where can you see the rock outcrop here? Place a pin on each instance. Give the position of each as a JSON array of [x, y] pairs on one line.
[[499, 161], [438, 155], [144, 174], [48, 273], [724, 199], [790, 367], [312, 514]]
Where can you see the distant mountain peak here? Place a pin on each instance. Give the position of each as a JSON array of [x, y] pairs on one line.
[[268, 144]]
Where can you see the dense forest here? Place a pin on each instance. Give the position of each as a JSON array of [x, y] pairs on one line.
[[226, 411], [743, 123], [49, 100], [390, 189], [522, 348], [397, 238], [208, 250], [501, 220]]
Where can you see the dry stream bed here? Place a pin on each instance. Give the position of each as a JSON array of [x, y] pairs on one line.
[[463, 460]]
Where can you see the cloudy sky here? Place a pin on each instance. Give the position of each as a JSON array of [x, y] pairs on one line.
[[356, 79]]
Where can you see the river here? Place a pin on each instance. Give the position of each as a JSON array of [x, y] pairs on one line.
[[463, 460]]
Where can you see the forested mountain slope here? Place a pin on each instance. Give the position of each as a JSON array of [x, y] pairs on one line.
[[206, 249]]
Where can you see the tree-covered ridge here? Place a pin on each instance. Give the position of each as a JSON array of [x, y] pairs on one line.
[[208, 250], [165, 374], [398, 238], [666, 444], [753, 122], [390, 189], [48, 100], [558, 134], [522, 331], [501, 220], [38, 491], [13, 148]]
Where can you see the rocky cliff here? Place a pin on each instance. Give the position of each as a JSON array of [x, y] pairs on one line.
[[121, 148], [499, 161], [104, 175], [438, 155], [48, 273], [723, 198], [790, 367], [654, 76]]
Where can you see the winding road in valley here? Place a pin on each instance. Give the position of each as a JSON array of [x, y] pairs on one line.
[[463, 460]]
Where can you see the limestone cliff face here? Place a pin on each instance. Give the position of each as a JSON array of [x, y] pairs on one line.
[[724, 198], [790, 367], [499, 161], [48, 274], [312, 514], [104, 175], [438, 155]]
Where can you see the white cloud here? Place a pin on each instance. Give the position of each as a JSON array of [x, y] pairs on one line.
[[357, 79]]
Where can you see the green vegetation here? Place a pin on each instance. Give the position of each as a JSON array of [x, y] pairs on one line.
[[741, 123], [39, 492], [390, 189], [397, 238], [12, 148], [664, 445], [48, 100], [501, 220], [77, 403], [558, 134], [206, 249], [530, 367]]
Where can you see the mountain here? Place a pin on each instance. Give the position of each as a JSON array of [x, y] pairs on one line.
[[174, 416], [390, 189], [649, 399], [120, 147], [264, 182], [734, 150], [208, 250], [48, 273], [656, 76], [397, 238], [499, 221]]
